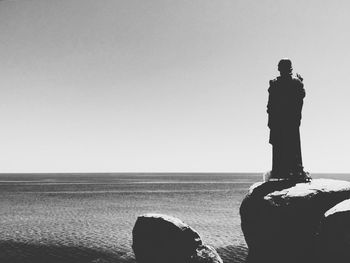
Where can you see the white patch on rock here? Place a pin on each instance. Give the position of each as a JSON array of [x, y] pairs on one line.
[[339, 208]]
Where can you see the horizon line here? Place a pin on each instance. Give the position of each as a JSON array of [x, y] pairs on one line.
[[148, 173]]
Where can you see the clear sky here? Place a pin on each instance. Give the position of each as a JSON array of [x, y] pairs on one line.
[[167, 85]]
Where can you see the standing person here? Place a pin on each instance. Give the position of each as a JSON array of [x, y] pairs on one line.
[[286, 94]]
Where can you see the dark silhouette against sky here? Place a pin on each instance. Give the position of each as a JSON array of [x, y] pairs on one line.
[[101, 86], [286, 94]]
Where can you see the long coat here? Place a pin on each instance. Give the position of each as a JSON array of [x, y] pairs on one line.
[[284, 107]]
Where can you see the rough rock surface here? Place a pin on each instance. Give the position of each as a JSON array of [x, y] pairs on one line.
[[280, 219], [159, 238], [334, 234], [206, 254]]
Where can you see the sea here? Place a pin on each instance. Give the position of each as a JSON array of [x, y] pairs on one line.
[[88, 218]]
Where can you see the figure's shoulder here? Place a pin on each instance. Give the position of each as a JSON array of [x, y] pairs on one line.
[[272, 85], [298, 81], [273, 82]]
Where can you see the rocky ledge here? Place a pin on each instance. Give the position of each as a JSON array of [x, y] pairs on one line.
[[286, 221]]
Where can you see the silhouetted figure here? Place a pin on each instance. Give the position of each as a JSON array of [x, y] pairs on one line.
[[286, 94]]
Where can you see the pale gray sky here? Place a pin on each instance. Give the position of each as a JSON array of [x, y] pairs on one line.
[[167, 86]]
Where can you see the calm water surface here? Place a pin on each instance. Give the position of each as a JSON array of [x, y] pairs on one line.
[[89, 217]]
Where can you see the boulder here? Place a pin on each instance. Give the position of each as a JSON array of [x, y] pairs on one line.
[[280, 219], [206, 254], [334, 234], [160, 238]]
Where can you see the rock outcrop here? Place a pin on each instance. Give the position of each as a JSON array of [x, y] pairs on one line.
[[205, 254], [281, 219], [334, 234], [160, 238]]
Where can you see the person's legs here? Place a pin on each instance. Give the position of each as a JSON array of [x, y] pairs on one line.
[[286, 155], [275, 159], [297, 164], [279, 160]]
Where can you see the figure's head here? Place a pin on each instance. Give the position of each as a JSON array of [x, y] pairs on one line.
[[285, 66]]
